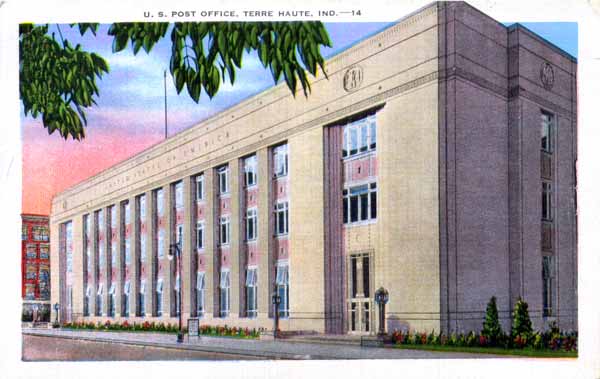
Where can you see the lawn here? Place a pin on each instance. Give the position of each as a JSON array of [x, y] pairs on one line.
[[492, 350]]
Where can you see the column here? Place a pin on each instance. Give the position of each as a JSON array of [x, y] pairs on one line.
[[78, 267], [93, 264], [265, 234], [106, 269], [151, 261], [134, 272], [119, 261], [188, 275], [210, 230], [236, 272], [168, 266], [57, 268]]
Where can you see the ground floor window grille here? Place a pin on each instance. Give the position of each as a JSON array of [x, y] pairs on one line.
[[200, 286], [251, 292], [548, 283], [159, 297], [126, 299], [224, 294], [99, 300], [283, 290], [111, 300]]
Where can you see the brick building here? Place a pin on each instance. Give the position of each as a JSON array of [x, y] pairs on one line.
[[35, 264], [437, 161]]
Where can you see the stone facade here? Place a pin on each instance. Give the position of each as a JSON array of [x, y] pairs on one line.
[[457, 100]]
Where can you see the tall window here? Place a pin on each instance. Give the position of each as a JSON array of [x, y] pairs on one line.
[[360, 203], [283, 289], [546, 201], [142, 298], [548, 284], [142, 205], [111, 300], [251, 224], [250, 171], [280, 160], [178, 195], [99, 300], [126, 289], [160, 234], [224, 284], [281, 218], [223, 175], [547, 131], [224, 230], [159, 297], [200, 286], [251, 292], [359, 137], [200, 235], [200, 187]]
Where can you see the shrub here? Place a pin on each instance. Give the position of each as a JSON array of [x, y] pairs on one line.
[[492, 330], [521, 325]]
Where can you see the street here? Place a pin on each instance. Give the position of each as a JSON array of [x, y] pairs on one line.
[[48, 348]]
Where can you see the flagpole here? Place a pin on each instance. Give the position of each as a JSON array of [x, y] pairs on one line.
[[165, 83]]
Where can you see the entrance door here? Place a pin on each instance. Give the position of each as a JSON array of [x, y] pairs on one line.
[[359, 299]]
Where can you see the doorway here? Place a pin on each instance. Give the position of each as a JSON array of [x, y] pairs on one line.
[[359, 294]]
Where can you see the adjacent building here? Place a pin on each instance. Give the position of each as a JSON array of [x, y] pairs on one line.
[[35, 266], [437, 161]]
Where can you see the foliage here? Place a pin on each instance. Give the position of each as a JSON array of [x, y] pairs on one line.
[[492, 330], [521, 325], [58, 81], [151, 326]]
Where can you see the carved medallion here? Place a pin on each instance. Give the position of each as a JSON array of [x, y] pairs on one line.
[[353, 78], [547, 75]]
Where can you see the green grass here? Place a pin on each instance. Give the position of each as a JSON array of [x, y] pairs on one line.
[[493, 350]]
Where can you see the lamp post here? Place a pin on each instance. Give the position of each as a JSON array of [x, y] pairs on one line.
[[175, 253], [276, 300], [381, 298]]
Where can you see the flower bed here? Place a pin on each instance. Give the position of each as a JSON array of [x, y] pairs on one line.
[[151, 326], [551, 340]]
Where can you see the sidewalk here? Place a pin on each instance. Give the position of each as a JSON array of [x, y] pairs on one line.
[[252, 348]]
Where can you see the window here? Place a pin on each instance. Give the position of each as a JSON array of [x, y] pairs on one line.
[[359, 137], [40, 233], [177, 291], [546, 201], [142, 205], [283, 290], [30, 291], [31, 271], [251, 292], [280, 160], [548, 284], [251, 224], [23, 232], [111, 300], [224, 230], [200, 187], [224, 293], [126, 299], [200, 286], [30, 251], [360, 203], [142, 247], [178, 195], [126, 211], [142, 298], [127, 251], [99, 300], [159, 297], [281, 218], [223, 175], [160, 202], [250, 171], [200, 235], [86, 301], [161, 243], [547, 131], [44, 252]]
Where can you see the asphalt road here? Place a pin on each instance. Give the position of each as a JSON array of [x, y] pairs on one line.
[[42, 348]]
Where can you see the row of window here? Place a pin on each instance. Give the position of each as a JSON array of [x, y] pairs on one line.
[[251, 288], [38, 233]]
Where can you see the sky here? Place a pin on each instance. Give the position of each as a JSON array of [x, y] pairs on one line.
[[129, 116]]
